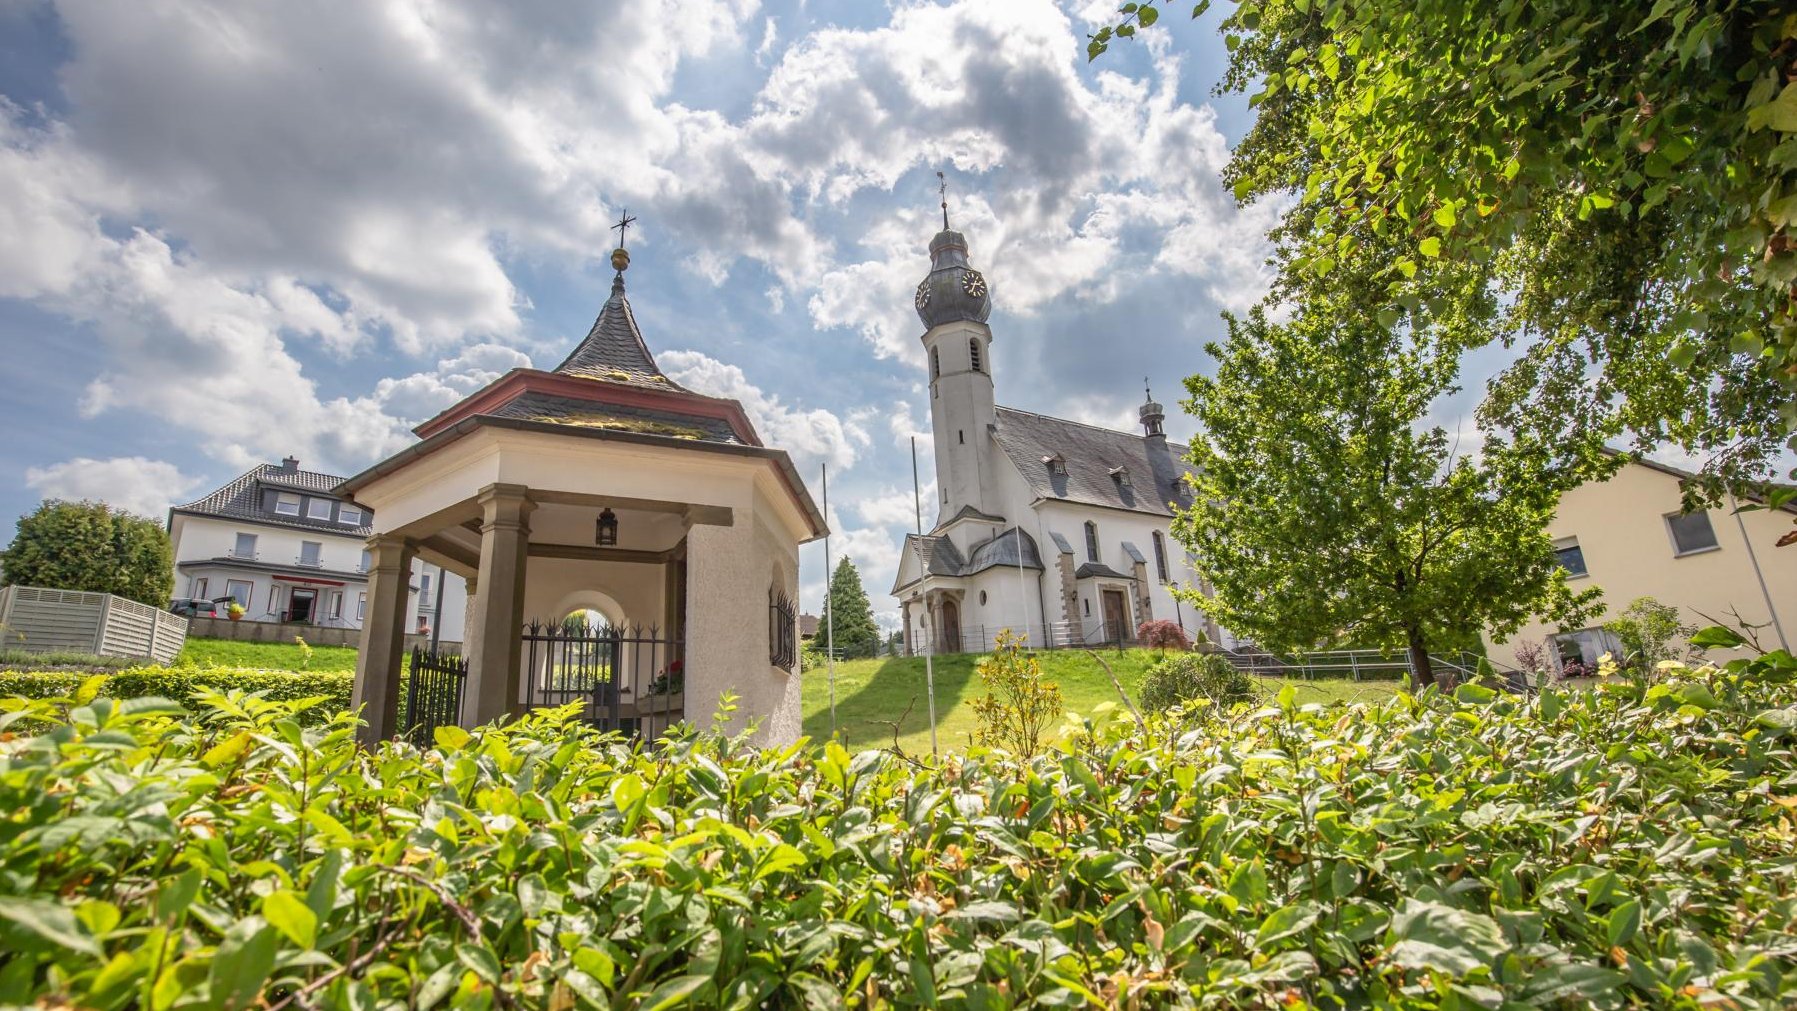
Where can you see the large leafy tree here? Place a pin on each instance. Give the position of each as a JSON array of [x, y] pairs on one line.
[[1325, 507], [1623, 173], [855, 631], [91, 546]]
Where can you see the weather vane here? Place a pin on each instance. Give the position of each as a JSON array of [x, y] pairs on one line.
[[943, 189], [1146, 388], [620, 259]]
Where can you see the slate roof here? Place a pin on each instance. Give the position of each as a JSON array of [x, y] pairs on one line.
[[1099, 569], [545, 408], [970, 513], [613, 350], [1092, 454], [241, 499], [940, 557]]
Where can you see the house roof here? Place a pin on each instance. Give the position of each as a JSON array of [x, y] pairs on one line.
[[1092, 455], [614, 350], [1687, 475], [241, 499]]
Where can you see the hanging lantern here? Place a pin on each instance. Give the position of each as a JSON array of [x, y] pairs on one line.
[[607, 533]]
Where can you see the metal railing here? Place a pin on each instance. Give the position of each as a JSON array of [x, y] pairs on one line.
[[433, 695], [1368, 665], [631, 680]]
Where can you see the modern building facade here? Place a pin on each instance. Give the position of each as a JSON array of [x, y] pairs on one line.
[[1628, 536], [279, 542], [1054, 530]]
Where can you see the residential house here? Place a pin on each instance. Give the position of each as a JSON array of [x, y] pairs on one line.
[[276, 540]]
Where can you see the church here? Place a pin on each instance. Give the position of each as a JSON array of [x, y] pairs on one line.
[[1055, 530]]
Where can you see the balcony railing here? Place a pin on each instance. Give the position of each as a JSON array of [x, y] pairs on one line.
[[310, 563], [242, 556]]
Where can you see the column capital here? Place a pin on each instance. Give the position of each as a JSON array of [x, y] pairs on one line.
[[505, 506], [390, 552]]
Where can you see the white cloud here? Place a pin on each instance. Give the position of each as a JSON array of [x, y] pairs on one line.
[[810, 436], [133, 483]]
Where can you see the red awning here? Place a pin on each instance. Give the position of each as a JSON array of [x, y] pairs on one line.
[[315, 582]]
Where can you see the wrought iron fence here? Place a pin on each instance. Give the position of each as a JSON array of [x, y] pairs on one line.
[[782, 630], [628, 679], [433, 694]]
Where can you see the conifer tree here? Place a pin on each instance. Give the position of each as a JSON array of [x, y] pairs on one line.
[[856, 633]]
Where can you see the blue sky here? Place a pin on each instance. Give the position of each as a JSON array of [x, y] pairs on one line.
[[231, 232]]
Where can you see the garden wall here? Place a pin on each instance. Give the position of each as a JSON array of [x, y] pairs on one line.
[[276, 631], [39, 620]]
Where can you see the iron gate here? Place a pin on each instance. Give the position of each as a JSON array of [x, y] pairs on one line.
[[628, 679], [433, 694]]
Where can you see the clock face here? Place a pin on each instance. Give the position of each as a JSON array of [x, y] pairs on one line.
[[923, 295], [973, 284]]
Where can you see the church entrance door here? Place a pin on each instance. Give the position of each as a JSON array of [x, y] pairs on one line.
[[1116, 620], [951, 627]]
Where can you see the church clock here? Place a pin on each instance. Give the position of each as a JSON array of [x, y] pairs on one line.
[[922, 300], [973, 284]]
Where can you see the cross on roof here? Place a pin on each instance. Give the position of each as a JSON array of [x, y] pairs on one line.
[[943, 189], [624, 222]]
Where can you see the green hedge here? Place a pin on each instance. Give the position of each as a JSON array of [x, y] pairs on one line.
[[1627, 847], [181, 683]]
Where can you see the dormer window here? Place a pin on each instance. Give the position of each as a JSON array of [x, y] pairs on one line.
[[1121, 476], [287, 503], [318, 509], [1056, 464]]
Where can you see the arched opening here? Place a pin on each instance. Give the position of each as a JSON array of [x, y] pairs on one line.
[[973, 354], [935, 363]]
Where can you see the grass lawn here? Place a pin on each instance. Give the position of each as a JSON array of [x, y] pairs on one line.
[[881, 689], [265, 655]]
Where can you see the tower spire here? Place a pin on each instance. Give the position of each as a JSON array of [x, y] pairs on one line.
[[942, 188]]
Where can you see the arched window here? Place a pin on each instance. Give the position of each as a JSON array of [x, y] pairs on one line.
[[973, 353], [935, 363], [1091, 541], [1160, 555]]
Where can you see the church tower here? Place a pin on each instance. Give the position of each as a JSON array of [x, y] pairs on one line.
[[953, 302]]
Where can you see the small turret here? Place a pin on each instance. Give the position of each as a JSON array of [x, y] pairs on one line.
[[1152, 415]]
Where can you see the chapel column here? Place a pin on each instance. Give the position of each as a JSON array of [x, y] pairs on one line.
[[378, 662], [494, 643]]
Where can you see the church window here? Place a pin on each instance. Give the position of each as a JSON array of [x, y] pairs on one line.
[[1088, 602], [1091, 541], [973, 353], [961, 436], [935, 363], [1160, 555]]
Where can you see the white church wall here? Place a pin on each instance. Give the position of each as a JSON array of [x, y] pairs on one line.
[[1007, 605], [1115, 526]]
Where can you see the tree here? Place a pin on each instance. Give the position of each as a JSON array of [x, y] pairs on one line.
[[91, 546], [1020, 704], [1323, 508], [1648, 630], [855, 631], [1624, 174]]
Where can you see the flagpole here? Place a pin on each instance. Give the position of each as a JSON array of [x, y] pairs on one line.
[[829, 612], [929, 665]]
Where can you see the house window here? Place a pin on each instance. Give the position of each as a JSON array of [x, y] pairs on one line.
[[1571, 556], [1160, 556], [245, 546], [1091, 541], [424, 625], [199, 588], [274, 599], [333, 604], [935, 363], [361, 605], [318, 509], [424, 585], [240, 590], [311, 553], [1691, 533], [349, 515], [366, 563], [973, 353], [287, 504]]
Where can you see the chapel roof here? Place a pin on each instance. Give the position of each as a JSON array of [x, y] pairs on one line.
[[1095, 460], [614, 351]]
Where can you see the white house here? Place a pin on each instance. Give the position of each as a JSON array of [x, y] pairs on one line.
[[279, 542], [603, 492], [1012, 482]]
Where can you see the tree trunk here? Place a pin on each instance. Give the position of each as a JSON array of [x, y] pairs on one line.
[[1421, 674]]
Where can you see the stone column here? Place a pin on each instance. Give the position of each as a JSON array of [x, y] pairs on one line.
[[383, 638], [498, 619]]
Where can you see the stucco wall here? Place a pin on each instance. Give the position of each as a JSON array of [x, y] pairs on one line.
[[1621, 530]]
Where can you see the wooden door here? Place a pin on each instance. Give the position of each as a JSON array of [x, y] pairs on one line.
[[1116, 616], [951, 627]]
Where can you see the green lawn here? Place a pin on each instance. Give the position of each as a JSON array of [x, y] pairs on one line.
[[265, 655], [870, 691]]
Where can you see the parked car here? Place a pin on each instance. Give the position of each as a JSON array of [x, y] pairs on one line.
[[194, 607]]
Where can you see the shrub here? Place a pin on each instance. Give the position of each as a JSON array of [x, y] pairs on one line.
[[1189, 677], [20, 658], [1162, 635], [1647, 630], [1019, 704], [183, 685], [1624, 847]]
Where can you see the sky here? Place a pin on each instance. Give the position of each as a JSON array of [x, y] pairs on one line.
[[232, 232]]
